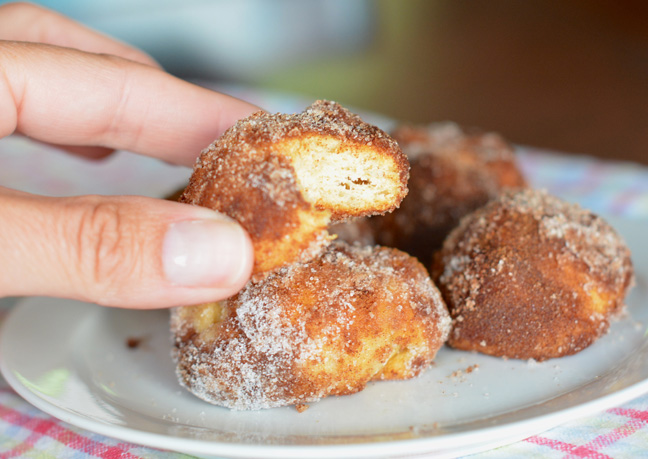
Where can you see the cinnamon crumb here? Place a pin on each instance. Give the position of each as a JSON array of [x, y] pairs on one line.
[[133, 342]]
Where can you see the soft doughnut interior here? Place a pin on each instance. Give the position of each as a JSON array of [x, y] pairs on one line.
[[205, 315], [343, 177]]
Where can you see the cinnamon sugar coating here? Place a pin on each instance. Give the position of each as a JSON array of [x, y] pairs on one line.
[[531, 276], [285, 178], [309, 330], [453, 172]]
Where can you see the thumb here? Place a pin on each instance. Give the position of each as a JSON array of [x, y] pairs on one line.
[[119, 251]]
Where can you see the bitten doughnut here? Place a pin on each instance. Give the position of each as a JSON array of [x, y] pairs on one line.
[[285, 178], [324, 327], [453, 172], [530, 276]]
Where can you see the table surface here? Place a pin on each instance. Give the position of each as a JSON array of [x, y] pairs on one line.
[[608, 188]]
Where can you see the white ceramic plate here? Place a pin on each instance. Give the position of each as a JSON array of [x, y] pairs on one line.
[[73, 361]]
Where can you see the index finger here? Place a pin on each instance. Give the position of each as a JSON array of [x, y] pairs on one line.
[[27, 22], [69, 97]]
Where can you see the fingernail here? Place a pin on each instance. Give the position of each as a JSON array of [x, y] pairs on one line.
[[205, 253]]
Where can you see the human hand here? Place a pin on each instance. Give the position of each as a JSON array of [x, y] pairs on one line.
[[63, 84]]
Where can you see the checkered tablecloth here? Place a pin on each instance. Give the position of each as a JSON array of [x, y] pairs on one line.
[[608, 188]]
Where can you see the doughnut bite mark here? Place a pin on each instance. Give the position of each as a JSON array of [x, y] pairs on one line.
[[453, 172], [530, 276], [285, 178], [309, 330]]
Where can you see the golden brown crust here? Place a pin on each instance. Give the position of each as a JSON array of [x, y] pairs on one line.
[[529, 276], [453, 172], [324, 327], [261, 194], [263, 173]]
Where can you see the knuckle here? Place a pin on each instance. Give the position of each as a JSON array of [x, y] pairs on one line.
[[106, 250]]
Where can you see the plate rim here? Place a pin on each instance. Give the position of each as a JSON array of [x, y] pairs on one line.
[[481, 440]]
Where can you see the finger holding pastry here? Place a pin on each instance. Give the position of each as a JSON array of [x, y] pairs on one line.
[[285, 178], [65, 85]]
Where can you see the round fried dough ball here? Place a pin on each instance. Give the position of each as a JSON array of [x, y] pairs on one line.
[[453, 172], [285, 178], [324, 327], [530, 276]]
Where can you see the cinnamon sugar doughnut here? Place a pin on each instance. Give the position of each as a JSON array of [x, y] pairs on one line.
[[453, 172], [324, 327], [285, 178], [529, 276]]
